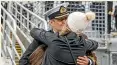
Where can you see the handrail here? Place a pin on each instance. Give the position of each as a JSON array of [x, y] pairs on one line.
[[13, 30], [26, 20], [45, 22], [14, 23], [9, 51], [17, 38], [9, 25]]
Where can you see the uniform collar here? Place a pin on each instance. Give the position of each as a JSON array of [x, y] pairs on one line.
[[71, 35]]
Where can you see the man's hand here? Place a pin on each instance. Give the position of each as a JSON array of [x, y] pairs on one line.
[[83, 60]]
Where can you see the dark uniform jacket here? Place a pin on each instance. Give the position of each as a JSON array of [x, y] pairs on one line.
[[115, 12], [58, 52]]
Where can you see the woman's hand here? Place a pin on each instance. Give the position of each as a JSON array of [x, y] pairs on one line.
[[83, 60]]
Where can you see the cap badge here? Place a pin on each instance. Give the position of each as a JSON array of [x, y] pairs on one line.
[[63, 10]]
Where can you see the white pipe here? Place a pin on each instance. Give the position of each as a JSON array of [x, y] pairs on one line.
[[15, 35], [9, 51], [13, 29], [44, 21], [14, 23]]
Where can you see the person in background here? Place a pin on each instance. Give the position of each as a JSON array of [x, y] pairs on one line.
[[115, 15], [109, 9]]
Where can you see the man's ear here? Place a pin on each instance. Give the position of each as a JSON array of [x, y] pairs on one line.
[[51, 21]]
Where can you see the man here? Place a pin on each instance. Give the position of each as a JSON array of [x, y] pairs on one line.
[[110, 3], [57, 17], [115, 15]]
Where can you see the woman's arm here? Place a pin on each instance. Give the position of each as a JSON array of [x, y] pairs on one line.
[[41, 35], [91, 45]]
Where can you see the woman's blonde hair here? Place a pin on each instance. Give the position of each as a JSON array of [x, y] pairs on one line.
[[65, 30]]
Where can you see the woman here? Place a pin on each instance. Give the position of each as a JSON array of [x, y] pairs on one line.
[[65, 47]]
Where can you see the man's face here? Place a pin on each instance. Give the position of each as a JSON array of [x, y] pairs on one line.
[[57, 24]]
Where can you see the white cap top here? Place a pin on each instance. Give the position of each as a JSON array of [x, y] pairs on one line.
[[78, 21]]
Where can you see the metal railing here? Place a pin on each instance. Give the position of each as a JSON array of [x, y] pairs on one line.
[[26, 19], [17, 17], [9, 36], [113, 58]]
